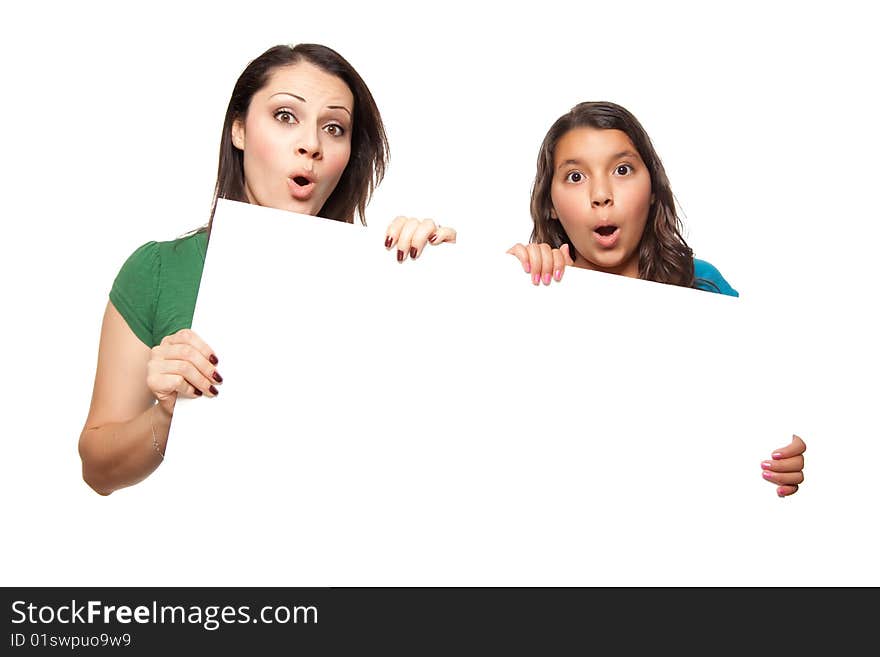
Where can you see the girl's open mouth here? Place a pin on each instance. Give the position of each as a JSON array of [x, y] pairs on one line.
[[607, 236]]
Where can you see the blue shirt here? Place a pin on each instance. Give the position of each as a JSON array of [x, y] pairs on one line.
[[706, 277]]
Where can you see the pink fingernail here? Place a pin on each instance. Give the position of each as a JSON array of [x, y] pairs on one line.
[[767, 475], [557, 275], [777, 455], [766, 465], [546, 279], [781, 492], [536, 279], [528, 268]]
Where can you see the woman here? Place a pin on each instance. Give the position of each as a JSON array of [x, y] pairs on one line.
[[302, 133]]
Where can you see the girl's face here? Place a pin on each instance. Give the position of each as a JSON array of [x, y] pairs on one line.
[[601, 192], [296, 138]]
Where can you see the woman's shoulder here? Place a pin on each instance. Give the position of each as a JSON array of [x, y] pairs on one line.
[[158, 283], [194, 243], [151, 253], [707, 277], [180, 258], [180, 261]]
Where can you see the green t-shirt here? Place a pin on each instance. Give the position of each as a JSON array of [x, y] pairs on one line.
[[156, 289]]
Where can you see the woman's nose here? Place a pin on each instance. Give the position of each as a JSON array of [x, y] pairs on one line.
[[309, 145]]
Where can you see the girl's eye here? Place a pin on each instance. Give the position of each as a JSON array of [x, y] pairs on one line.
[[285, 116], [623, 170], [574, 177], [335, 130]]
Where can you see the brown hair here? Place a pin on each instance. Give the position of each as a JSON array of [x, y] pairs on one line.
[[369, 144], [664, 256]]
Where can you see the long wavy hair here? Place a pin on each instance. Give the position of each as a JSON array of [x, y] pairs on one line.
[[664, 256], [369, 143]]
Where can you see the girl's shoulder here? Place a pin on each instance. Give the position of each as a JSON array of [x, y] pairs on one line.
[[707, 277]]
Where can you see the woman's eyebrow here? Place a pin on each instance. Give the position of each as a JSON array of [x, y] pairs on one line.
[[287, 93], [342, 107], [300, 98]]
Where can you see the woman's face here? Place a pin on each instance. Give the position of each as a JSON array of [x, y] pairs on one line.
[[601, 193], [296, 138]]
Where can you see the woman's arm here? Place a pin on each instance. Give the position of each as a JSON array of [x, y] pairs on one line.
[[125, 434], [116, 444]]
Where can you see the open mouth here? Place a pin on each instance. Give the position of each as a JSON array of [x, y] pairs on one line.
[[301, 187], [606, 231]]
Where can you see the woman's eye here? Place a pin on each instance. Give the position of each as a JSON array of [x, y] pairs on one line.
[[285, 116], [623, 170], [574, 177], [335, 130]]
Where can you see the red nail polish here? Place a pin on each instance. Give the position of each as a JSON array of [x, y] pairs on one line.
[[213, 359], [213, 390], [399, 255], [413, 252], [388, 242], [197, 392], [432, 238], [216, 376]]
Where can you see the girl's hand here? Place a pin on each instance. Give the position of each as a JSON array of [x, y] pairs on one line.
[[410, 235], [786, 467], [542, 262], [182, 364]]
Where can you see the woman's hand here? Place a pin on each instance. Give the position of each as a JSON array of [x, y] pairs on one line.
[[411, 235], [542, 262], [182, 364], [786, 467]]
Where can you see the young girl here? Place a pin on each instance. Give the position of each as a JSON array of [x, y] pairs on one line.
[[601, 200], [302, 133]]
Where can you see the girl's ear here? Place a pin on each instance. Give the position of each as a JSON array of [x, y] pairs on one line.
[[553, 214], [652, 198]]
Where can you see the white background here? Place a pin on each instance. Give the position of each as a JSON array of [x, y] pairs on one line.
[[764, 115]]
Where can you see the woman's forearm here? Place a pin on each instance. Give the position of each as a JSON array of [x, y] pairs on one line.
[[120, 454]]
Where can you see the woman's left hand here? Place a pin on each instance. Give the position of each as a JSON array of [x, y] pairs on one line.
[[410, 236], [786, 469]]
